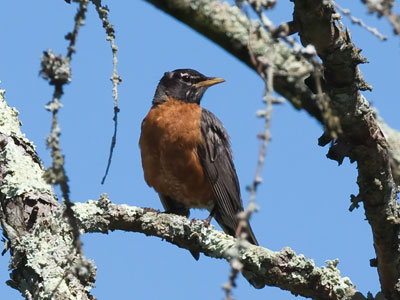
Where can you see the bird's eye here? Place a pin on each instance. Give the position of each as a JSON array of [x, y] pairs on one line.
[[185, 77]]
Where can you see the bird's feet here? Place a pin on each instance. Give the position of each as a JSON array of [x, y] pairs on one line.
[[206, 221]]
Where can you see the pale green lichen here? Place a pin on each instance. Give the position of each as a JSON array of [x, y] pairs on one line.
[[22, 173], [257, 261], [216, 242], [299, 262], [330, 275], [50, 253], [85, 210], [258, 255], [9, 123], [42, 260], [131, 211]]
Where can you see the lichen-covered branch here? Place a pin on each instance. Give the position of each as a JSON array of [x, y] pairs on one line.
[[361, 140], [39, 237], [284, 269]]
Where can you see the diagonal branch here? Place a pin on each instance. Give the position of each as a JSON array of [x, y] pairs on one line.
[[284, 269]]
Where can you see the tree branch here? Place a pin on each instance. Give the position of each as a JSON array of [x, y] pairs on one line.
[[43, 258], [283, 269]]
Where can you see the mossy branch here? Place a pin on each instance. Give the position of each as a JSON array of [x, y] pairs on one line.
[[284, 269]]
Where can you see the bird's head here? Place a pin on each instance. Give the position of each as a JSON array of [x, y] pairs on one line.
[[185, 85]]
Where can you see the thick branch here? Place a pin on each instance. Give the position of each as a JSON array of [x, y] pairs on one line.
[[361, 139], [43, 259], [283, 269]]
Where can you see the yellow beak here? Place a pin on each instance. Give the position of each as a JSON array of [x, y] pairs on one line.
[[209, 82]]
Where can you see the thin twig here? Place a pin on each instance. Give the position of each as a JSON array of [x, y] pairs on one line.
[[265, 137], [79, 21], [57, 70], [384, 8], [244, 217], [103, 12], [360, 22]]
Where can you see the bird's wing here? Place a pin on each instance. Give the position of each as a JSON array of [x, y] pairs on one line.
[[216, 158]]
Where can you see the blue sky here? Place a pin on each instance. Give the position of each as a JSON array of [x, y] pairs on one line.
[[304, 197]]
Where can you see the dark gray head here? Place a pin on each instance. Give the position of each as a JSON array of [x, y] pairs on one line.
[[183, 84]]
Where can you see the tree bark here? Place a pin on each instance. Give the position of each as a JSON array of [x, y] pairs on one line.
[[44, 262]]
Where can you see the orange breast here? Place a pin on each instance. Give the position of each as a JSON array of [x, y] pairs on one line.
[[168, 142]]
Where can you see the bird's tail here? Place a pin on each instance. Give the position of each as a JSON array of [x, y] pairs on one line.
[[251, 238]]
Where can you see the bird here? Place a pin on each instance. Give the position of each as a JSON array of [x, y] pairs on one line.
[[186, 154]]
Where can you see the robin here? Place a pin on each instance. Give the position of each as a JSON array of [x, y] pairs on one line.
[[186, 154]]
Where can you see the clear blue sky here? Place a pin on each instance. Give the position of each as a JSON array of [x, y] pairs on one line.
[[304, 197]]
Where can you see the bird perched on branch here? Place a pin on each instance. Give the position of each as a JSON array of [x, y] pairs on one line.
[[186, 154]]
